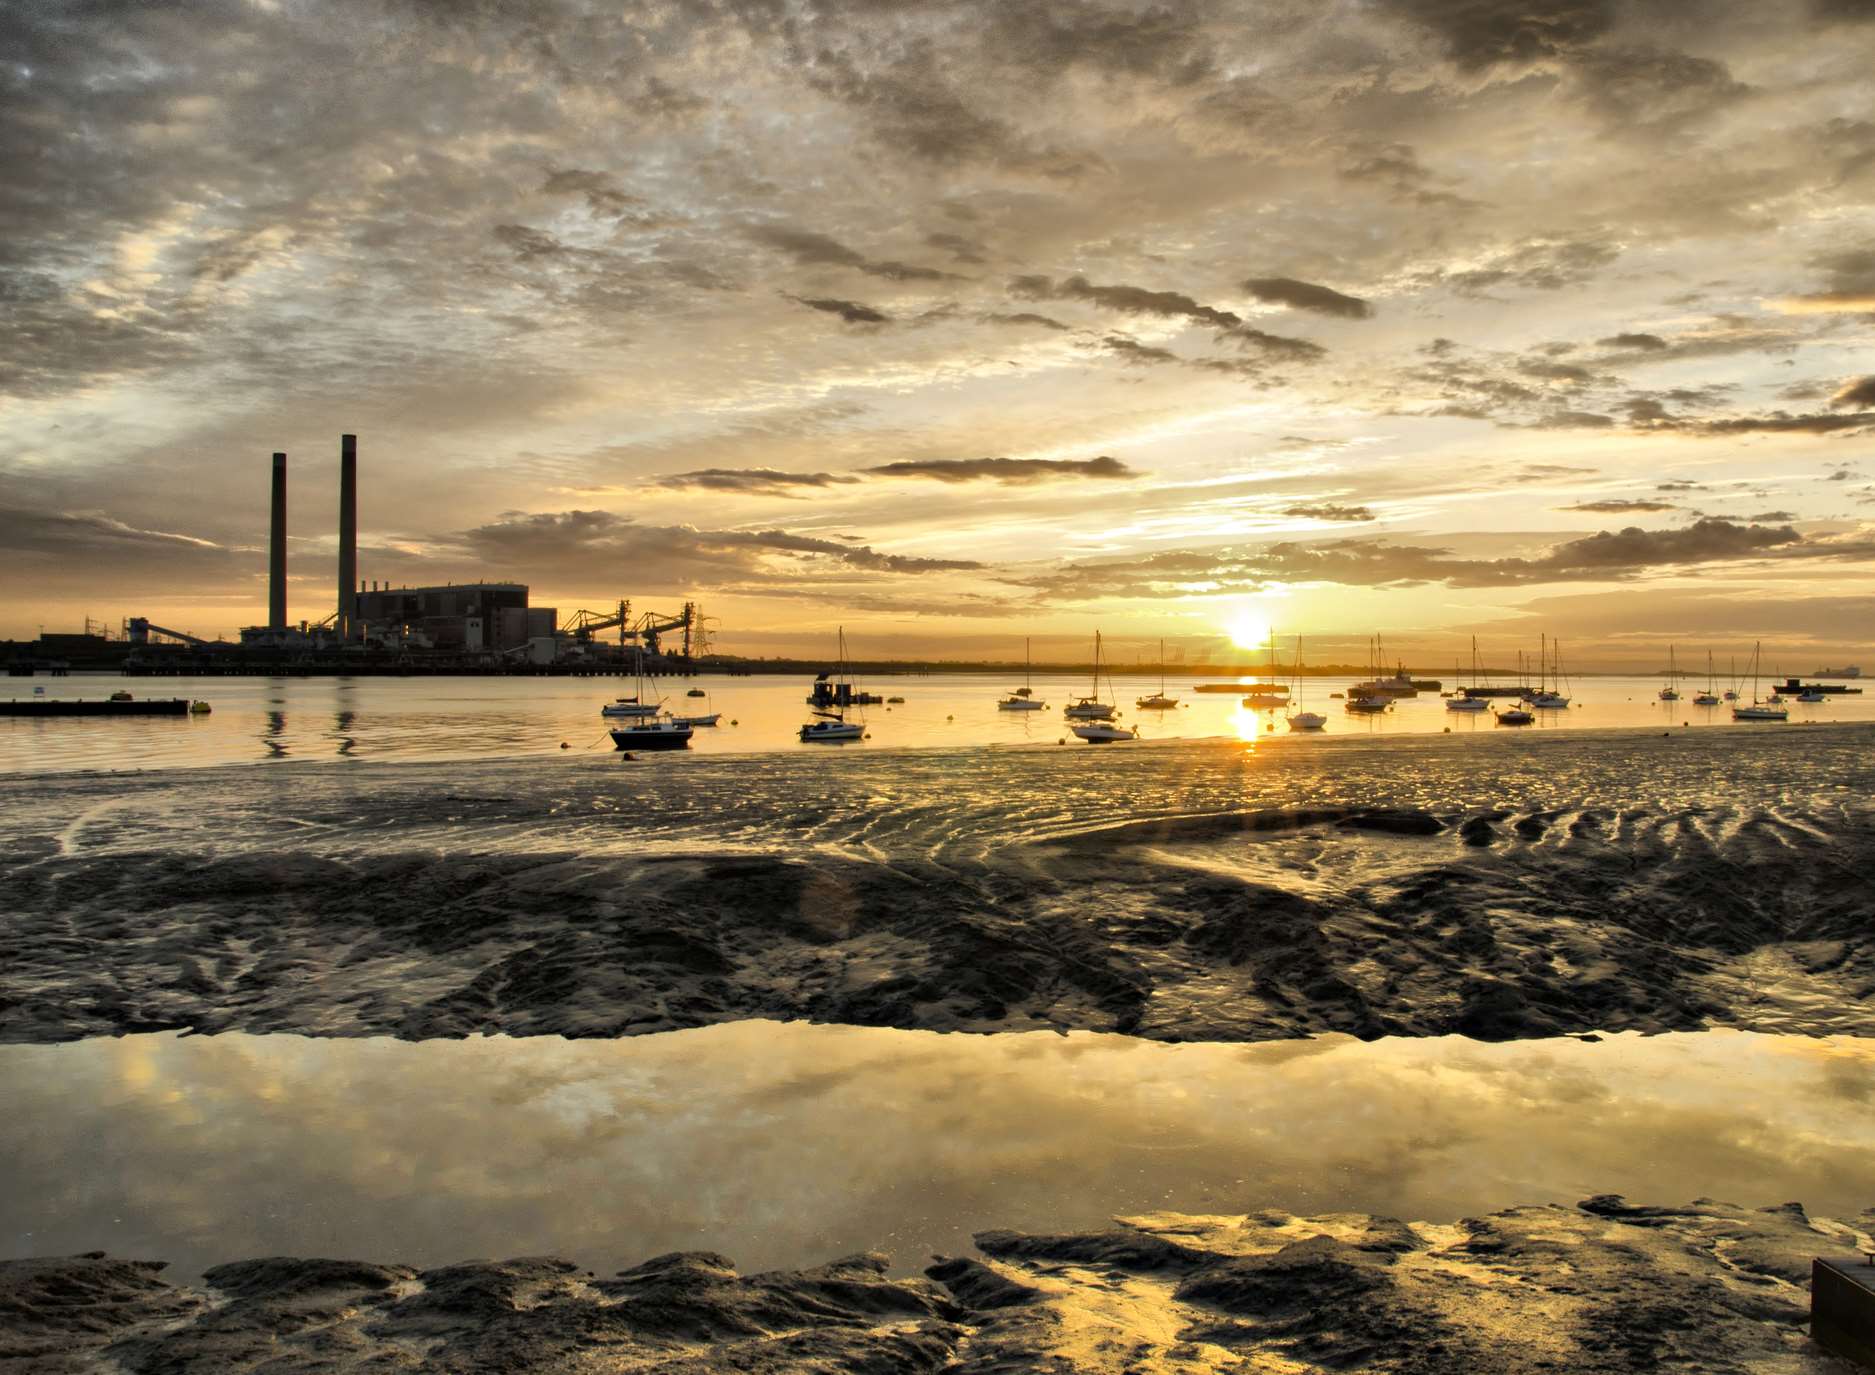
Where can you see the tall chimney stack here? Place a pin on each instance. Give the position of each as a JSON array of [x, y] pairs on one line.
[[276, 560], [348, 534]]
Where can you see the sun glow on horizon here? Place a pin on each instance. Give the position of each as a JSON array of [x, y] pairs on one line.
[[1248, 628]]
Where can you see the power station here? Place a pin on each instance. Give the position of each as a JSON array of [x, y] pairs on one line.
[[455, 627]]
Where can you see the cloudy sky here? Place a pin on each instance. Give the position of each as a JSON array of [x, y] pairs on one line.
[[956, 322]]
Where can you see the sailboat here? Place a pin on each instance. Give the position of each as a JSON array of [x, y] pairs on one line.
[[831, 723], [1022, 698], [1548, 695], [1095, 716], [658, 731], [1299, 719], [1158, 701], [1367, 698], [1708, 698], [1759, 710], [1671, 692], [1271, 694], [1458, 701], [1090, 708], [1731, 693]]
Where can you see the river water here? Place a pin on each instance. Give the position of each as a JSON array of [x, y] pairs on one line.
[[261, 720]]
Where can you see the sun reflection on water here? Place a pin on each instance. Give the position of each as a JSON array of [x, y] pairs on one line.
[[1248, 724]]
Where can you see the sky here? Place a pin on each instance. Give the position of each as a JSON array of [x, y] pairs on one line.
[[957, 323]]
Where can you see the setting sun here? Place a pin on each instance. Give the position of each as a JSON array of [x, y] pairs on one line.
[[1248, 628]]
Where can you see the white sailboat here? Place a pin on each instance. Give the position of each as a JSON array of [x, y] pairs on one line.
[[1708, 698], [1022, 698], [1759, 710], [1671, 691], [657, 731], [1090, 708], [1098, 729], [1458, 701], [831, 724], [1300, 719], [1549, 695], [1158, 701]]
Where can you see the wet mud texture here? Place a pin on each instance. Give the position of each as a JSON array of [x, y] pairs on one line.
[[1601, 1287], [1232, 926]]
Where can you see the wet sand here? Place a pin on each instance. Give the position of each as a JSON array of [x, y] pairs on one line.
[[1599, 1287], [1493, 889]]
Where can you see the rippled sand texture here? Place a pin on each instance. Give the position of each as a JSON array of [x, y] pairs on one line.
[[1495, 888], [1598, 1287]]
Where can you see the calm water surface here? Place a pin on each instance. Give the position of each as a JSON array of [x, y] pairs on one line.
[[258, 720], [790, 1144]]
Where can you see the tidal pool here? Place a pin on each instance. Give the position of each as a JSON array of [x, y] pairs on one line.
[[785, 1144]]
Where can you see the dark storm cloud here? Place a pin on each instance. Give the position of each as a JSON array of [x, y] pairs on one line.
[[1776, 422], [1537, 264], [1322, 300], [907, 105], [1773, 517], [1849, 281], [601, 194], [1132, 351], [1175, 305], [850, 311], [1614, 506], [1011, 472], [961, 248], [1024, 317], [93, 538], [599, 542], [1129, 300], [1607, 556], [1859, 392], [1047, 38], [1396, 169], [1641, 89], [1573, 420], [812, 249], [1643, 343], [1483, 33], [1329, 511], [751, 481]]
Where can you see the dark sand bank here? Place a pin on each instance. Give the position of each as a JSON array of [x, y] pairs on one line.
[[1495, 889], [1600, 1287]]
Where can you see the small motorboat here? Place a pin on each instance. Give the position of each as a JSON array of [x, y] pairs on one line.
[[120, 696], [899, 700], [1467, 704], [199, 708], [1555, 701], [665, 733], [1104, 733], [1265, 698], [696, 692], [1809, 695], [708, 720], [1367, 705], [1516, 716]]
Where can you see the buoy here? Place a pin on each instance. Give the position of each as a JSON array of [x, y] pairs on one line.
[[735, 723], [1062, 741], [950, 718], [565, 746], [1448, 730]]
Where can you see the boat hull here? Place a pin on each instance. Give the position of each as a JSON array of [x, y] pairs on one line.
[[1020, 704], [1307, 720], [652, 738], [1088, 713], [830, 732], [1104, 735]]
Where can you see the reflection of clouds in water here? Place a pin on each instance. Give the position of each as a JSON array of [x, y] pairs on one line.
[[782, 1144]]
